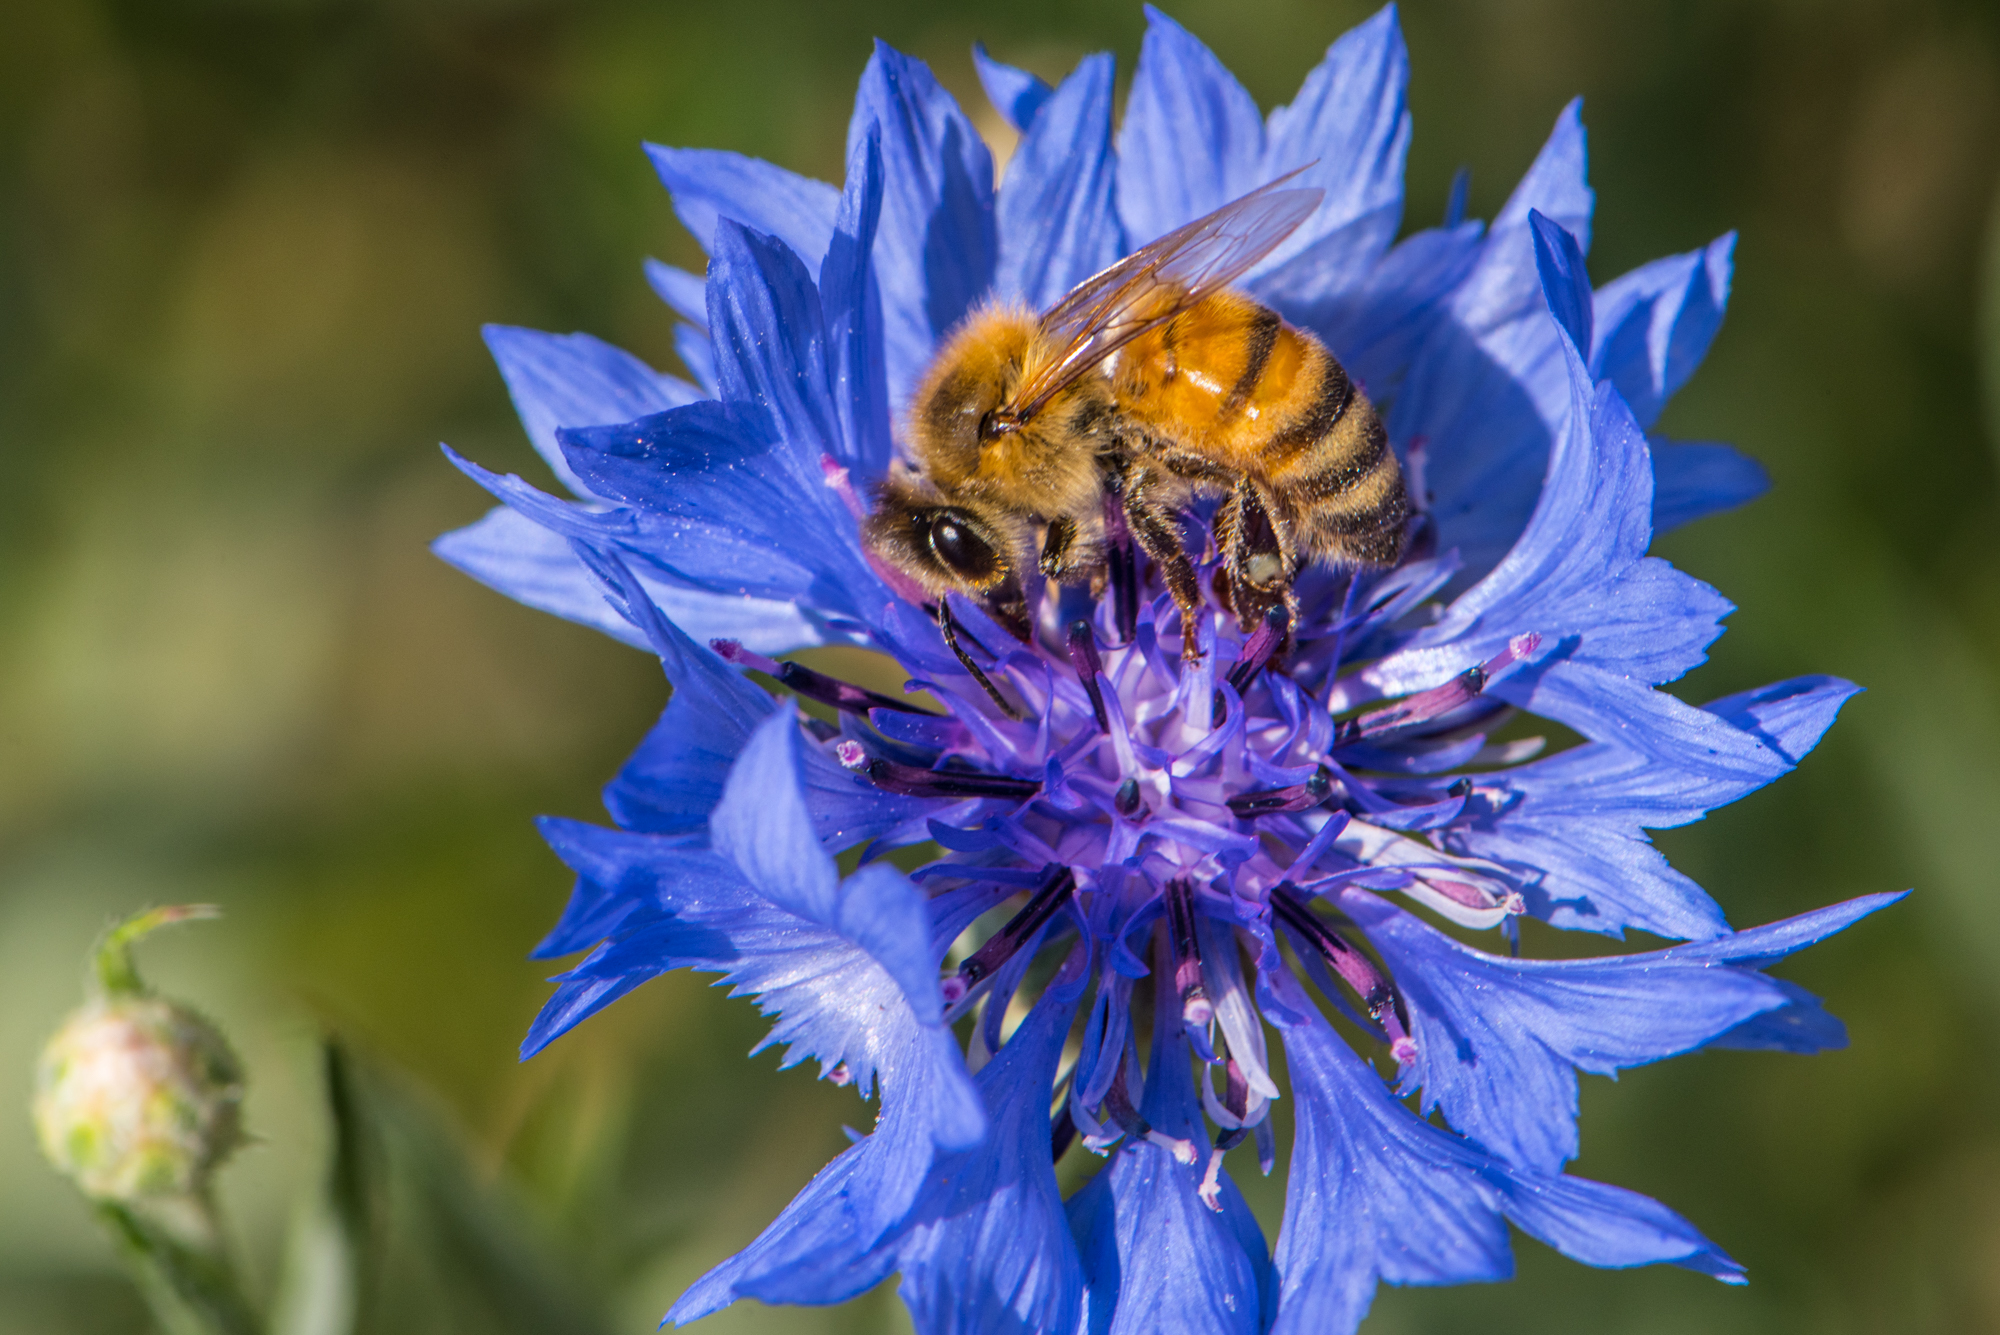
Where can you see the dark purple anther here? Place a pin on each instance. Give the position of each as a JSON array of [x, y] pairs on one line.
[[1118, 1104], [1439, 700], [1126, 799], [1257, 650], [1196, 1009], [1062, 1133], [913, 782], [1377, 993], [986, 961], [1089, 667], [1123, 563], [1272, 801], [814, 685]]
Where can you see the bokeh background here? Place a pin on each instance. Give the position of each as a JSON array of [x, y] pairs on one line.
[[245, 249]]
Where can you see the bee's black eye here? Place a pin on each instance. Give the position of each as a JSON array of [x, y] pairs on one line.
[[959, 548]]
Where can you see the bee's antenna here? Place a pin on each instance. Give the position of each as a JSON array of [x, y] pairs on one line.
[[948, 627]]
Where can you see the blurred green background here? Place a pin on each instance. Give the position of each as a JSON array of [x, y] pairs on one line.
[[245, 249]]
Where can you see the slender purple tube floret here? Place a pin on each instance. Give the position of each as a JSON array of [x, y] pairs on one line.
[[1144, 869]]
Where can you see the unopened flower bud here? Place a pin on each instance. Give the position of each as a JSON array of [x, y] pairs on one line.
[[136, 1097]]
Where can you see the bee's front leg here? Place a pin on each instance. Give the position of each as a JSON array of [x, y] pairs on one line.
[[1156, 532]]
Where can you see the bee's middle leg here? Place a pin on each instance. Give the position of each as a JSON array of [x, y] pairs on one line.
[[1154, 529]]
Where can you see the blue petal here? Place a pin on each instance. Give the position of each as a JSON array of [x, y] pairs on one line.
[[1655, 323], [813, 1251], [686, 293], [1565, 282], [1376, 1193], [1789, 716], [576, 380], [761, 822], [673, 781], [1376, 324], [769, 332], [1016, 94], [722, 506], [574, 1001], [764, 825], [1372, 1194], [1693, 480], [1612, 620], [936, 246], [1602, 1225], [1351, 124], [1486, 389], [534, 565], [710, 184], [988, 1248], [1759, 946], [1579, 817], [1057, 217], [603, 898], [1155, 1257], [697, 354], [849, 972], [1192, 138], [1802, 1025], [835, 1240], [1499, 1040], [853, 302]]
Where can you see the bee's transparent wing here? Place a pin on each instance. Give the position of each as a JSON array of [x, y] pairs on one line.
[[1157, 282]]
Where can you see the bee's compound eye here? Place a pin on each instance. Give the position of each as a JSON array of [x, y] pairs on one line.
[[960, 548]]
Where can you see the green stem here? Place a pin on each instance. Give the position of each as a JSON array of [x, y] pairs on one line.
[[111, 962], [191, 1288]]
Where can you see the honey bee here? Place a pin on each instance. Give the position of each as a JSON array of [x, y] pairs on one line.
[[1146, 386]]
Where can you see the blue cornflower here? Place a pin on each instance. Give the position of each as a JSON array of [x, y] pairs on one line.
[[1130, 842]]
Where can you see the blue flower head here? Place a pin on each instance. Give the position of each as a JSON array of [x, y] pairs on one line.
[[1153, 869]]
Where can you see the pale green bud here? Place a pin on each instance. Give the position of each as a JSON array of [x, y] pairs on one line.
[[137, 1098]]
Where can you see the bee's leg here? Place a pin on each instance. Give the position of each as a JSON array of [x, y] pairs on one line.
[[1156, 532], [1059, 549], [1255, 555]]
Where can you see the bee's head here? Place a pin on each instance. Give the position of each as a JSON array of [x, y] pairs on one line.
[[946, 544], [953, 412]]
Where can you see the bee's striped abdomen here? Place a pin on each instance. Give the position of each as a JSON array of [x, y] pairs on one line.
[[1227, 389], [1331, 467]]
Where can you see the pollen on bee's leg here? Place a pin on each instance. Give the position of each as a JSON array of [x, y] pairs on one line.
[[1295, 797], [986, 961], [910, 781], [1196, 1009], [813, 685]]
